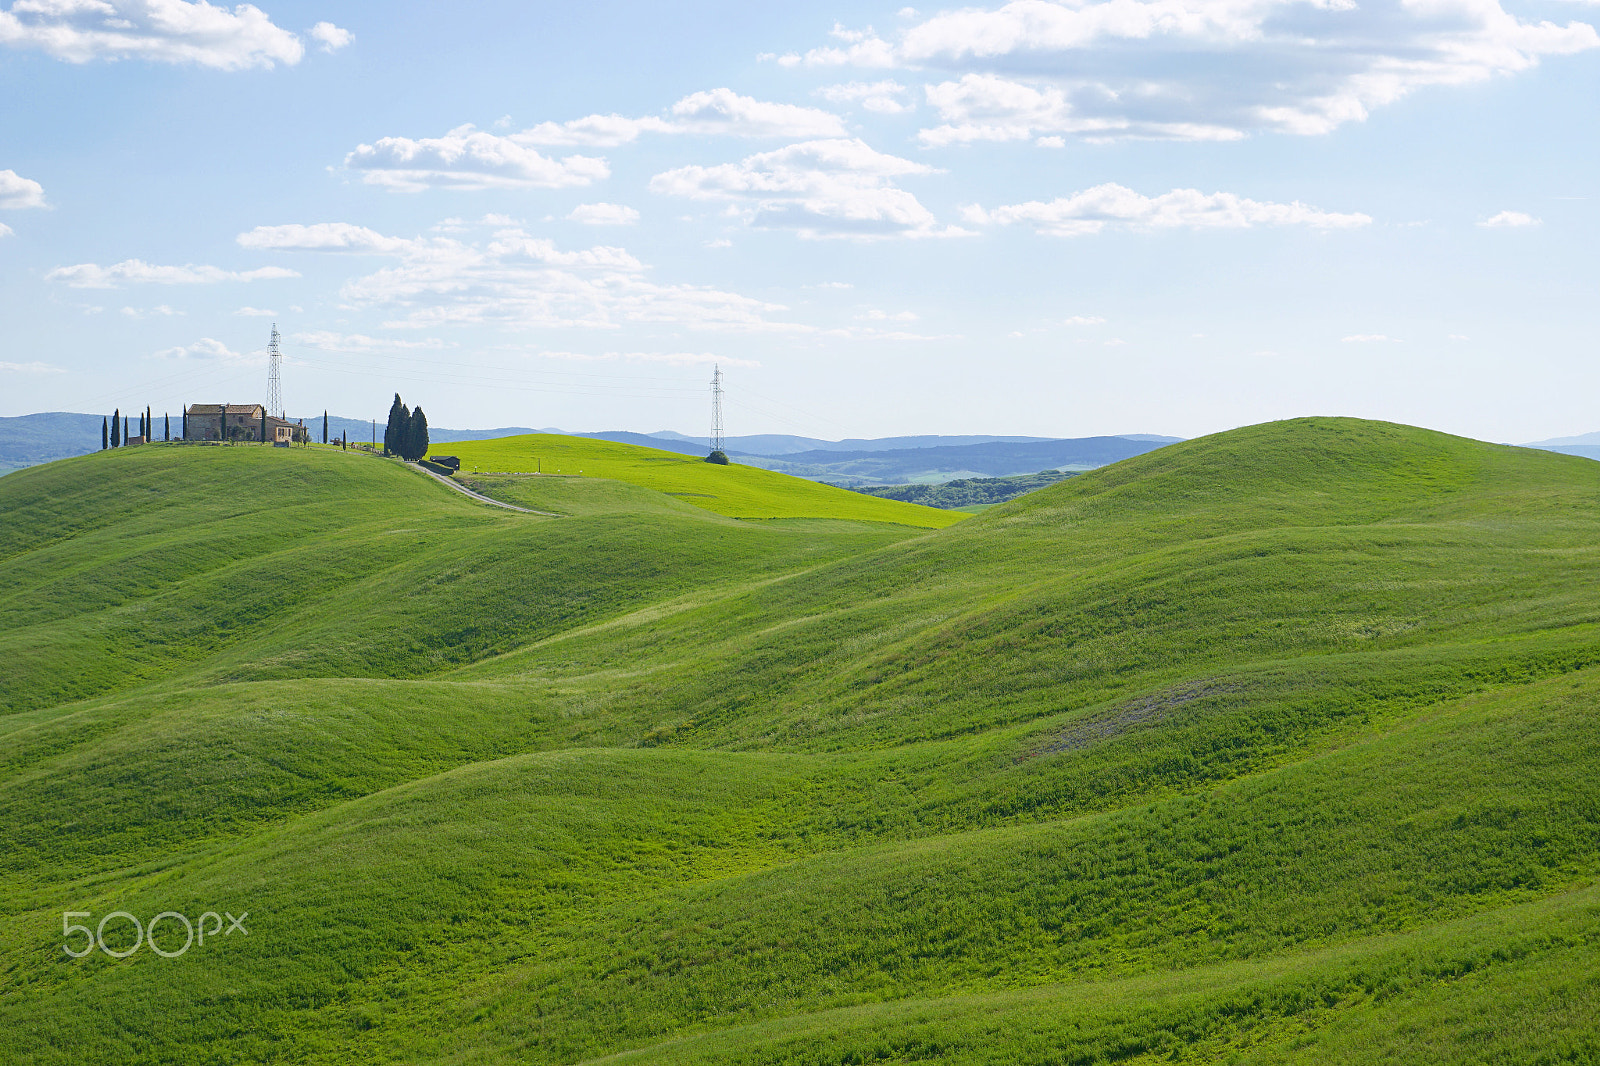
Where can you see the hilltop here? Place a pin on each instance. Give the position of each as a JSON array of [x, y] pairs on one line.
[[1271, 746], [735, 490]]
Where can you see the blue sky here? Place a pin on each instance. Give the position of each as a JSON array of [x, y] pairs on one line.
[[1168, 216]]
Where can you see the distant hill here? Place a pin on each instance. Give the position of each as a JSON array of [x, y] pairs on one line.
[[939, 464], [27, 440], [1555, 442], [39, 438], [738, 490], [1588, 446]]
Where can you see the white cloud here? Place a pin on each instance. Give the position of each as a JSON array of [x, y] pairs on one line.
[[668, 358], [145, 312], [162, 31], [593, 131], [136, 271], [1194, 69], [18, 192], [604, 215], [1051, 142], [876, 315], [861, 48], [1369, 338], [6, 231], [831, 188], [321, 237], [724, 112], [331, 37], [720, 242], [1094, 209], [518, 280], [207, 348], [468, 158], [329, 341], [1083, 320], [1509, 218], [255, 312], [30, 368], [717, 112], [879, 96]]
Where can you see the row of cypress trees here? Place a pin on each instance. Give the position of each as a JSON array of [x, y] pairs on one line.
[[406, 435], [114, 431]]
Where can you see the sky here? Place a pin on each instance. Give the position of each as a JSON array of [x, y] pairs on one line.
[[1035, 218]]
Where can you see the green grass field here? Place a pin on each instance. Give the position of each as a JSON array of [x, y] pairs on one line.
[[734, 491], [1278, 746]]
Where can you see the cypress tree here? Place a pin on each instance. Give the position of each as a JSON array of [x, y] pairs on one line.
[[105, 433], [149, 426], [124, 429], [263, 425], [116, 427], [166, 427], [394, 433], [324, 426], [185, 421], [417, 435]]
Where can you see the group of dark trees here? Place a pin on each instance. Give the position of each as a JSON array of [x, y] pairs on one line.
[[406, 435], [114, 431], [969, 491]]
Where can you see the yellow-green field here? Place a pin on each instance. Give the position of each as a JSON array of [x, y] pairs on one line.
[[733, 491]]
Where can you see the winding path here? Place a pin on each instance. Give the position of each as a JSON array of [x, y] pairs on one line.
[[480, 497]]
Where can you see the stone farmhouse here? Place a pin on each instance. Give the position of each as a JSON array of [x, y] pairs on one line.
[[243, 421]]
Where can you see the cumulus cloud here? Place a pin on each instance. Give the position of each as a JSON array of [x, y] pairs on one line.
[[1113, 205], [321, 237], [716, 112], [880, 96], [468, 158], [1083, 320], [331, 37], [207, 348], [165, 310], [30, 368], [19, 192], [829, 188], [255, 312], [1509, 218], [6, 231], [1193, 69], [162, 31], [604, 215], [138, 272], [1369, 338], [516, 279]]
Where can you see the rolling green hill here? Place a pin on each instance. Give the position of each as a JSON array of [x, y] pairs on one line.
[[735, 490], [1276, 746]]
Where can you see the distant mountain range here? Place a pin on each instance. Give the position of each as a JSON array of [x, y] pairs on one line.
[[1587, 445], [929, 459]]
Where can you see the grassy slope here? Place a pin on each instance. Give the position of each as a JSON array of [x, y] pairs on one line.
[[735, 491], [1278, 745]]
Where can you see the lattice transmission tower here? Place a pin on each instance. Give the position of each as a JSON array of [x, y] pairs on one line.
[[275, 377], [716, 408]]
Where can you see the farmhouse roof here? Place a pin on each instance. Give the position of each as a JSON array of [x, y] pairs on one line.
[[252, 409]]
